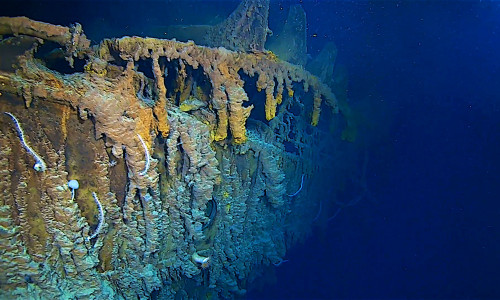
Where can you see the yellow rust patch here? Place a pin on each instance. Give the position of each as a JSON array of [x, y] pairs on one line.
[[316, 110], [279, 98], [51, 81], [144, 125], [106, 253], [64, 118], [160, 113], [270, 106]]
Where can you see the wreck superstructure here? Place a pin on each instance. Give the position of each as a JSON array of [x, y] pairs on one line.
[[192, 163]]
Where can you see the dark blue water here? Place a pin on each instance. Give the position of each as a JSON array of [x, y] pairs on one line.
[[432, 228]]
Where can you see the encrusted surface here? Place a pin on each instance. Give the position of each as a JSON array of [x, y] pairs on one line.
[[211, 182]]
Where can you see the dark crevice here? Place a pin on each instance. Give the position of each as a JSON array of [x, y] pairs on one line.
[[307, 99], [296, 103], [292, 134], [295, 109], [146, 90], [145, 66], [256, 98], [116, 58], [194, 84], [170, 71], [290, 147], [275, 90], [53, 57], [126, 188], [210, 213], [202, 86]]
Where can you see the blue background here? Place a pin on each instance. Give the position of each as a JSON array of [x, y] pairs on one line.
[[432, 227]]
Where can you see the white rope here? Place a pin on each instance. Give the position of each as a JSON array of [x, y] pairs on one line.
[[301, 183], [40, 165], [146, 153], [101, 217]]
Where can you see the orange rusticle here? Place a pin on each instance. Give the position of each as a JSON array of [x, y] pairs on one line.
[[279, 93], [316, 110], [210, 59], [270, 106], [238, 114], [221, 66]]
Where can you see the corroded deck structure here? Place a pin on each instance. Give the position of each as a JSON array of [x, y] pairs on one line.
[[188, 159]]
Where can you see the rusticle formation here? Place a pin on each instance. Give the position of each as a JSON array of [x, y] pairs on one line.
[[188, 166]]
